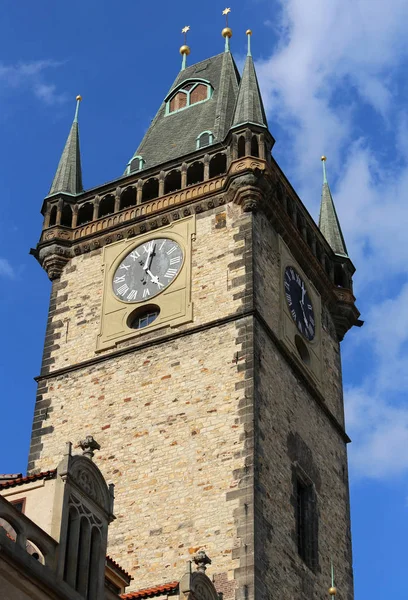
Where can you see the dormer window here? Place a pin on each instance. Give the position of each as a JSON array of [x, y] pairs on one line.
[[136, 164], [204, 139], [188, 94]]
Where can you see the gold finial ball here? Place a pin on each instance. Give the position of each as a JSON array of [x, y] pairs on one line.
[[185, 50], [332, 591], [249, 32], [227, 32], [323, 158], [78, 98]]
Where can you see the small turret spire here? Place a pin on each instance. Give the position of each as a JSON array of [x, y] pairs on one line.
[[227, 31], [249, 107], [68, 177], [185, 49], [329, 223]]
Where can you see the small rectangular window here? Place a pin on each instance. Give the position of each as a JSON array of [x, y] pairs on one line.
[[19, 504], [306, 522]]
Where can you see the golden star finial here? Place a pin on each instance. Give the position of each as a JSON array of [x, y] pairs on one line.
[[185, 29], [226, 12]]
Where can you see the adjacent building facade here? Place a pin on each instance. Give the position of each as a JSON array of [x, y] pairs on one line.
[[194, 328]]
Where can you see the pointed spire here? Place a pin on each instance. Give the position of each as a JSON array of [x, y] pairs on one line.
[[68, 177], [328, 221], [249, 108]]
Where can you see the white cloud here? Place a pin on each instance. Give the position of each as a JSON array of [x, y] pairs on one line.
[[6, 269], [31, 75], [334, 77]]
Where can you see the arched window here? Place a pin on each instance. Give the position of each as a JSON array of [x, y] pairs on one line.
[[106, 206], [195, 173], [241, 146], [172, 183], [340, 278], [189, 93], [53, 215], [150, 190], [66, 216], [218, 165], [254, 146], [85, 213], [137, 163], [204, 139], [128, 197]]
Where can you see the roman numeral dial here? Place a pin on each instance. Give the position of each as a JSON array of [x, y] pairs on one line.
[[299, 303], [147, 270]]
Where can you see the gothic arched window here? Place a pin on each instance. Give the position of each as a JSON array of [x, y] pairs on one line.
[[205, 139], [188, 93]]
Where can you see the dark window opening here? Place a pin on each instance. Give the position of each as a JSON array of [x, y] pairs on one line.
[[66, 216], [218, 165], [279, 193], [172, 183], [19, 504], [241, 146], [289, 208], [195, 173], [340, 278], [128, 198], [53, 216], [142, 317], [204, 140], [306, 522], [254, 146], [150, 190], [85, 213], [106, 206], [136, 164]]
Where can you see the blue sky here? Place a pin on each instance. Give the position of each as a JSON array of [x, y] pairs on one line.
[[333, 81]]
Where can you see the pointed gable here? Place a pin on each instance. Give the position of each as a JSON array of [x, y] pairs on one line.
[[68, 177], [329, 223], [176, 128], [249, 108]]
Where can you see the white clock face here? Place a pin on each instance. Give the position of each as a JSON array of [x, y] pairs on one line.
[[148, 270]]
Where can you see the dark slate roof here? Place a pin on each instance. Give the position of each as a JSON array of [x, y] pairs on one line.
[[68, 177], [250, 108], [172, 136], [329, 223]]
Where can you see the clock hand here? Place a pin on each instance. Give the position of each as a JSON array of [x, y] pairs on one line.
[[147, 263], [154, 278]]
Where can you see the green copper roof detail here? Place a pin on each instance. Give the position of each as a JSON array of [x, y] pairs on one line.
[[249, 33], [249, 108], [68, 177], [329, 223]]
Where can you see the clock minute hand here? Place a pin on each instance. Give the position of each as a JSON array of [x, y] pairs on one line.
[[149, 254]]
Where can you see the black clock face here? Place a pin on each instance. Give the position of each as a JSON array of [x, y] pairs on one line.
[[299, 303], [147, 270]]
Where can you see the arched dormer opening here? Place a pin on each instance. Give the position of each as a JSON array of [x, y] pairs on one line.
[[137, 163], [206, 138], [190, 92]]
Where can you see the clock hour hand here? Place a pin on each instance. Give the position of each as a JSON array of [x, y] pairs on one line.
[[154, 279]]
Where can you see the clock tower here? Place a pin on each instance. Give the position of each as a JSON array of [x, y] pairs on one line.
[[194, 329]]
